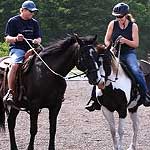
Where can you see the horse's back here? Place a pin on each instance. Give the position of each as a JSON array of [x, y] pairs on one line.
[[5, 61], [145, 66]]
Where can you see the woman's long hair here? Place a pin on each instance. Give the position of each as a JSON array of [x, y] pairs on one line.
[[130, 18]]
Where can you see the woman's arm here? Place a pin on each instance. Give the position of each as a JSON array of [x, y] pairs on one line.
[[108, 34], [135, 37]]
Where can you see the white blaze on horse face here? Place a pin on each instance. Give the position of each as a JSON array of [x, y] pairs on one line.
[[96, 66]]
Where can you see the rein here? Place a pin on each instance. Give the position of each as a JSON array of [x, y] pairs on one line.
[[118, 61], [76, 75], [116, 78], [57, 74], [116, 42]]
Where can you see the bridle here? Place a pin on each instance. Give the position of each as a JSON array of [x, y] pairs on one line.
[[86, 71], [55, 73]]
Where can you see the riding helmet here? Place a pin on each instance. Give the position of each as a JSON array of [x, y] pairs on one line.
[[120, 9], [29, 5]]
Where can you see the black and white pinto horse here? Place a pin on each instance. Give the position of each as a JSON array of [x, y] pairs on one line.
[[45, 85], [115, 94]]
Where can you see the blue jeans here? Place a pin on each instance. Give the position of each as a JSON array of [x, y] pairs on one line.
[[130, 59], [17, 55]]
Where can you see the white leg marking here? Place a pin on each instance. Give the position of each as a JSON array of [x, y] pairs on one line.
[[110, 118], [121, 132], [135, 125]]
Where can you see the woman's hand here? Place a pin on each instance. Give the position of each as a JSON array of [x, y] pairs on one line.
[[123, 40]]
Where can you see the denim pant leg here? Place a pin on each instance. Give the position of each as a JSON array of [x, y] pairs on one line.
[[17, 55], [132, 63]]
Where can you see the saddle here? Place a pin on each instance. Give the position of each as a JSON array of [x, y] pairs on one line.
[[145, 67], [135, 89], [5, 63], [129, 74]]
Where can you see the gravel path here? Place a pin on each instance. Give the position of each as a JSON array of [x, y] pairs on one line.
[[78, 129]]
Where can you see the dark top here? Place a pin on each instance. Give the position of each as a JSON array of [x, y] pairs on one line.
[[127, 33], [29, 28]]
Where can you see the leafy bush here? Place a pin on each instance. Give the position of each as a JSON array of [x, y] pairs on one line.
[[3, 49]]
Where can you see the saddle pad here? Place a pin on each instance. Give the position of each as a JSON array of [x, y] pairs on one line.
[[145, 66], [4, 62]]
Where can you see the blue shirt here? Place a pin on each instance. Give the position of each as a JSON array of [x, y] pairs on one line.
[[29, 28], [126, 33]]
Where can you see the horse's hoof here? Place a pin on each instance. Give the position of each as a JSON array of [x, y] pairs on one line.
[[132, 147]]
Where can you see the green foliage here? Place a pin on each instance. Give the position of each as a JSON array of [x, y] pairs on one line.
[[61, 17], [3, 49]]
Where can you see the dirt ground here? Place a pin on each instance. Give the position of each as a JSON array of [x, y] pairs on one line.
[[78, 129]]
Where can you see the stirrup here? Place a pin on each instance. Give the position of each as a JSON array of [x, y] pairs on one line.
[[146, 102], [134, 102], [8, 98]]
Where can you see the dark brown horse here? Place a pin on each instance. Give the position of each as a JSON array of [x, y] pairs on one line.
[[45, 87]]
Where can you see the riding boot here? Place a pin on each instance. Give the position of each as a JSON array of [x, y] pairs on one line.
[[146, 101], [8, 98], [93, 103]]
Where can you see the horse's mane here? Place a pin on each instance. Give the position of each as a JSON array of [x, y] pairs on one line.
[[114, 62], [58, 46], [63, 44], [101, 49]]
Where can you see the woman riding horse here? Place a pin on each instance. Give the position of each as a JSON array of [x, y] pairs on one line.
[[125, 30]]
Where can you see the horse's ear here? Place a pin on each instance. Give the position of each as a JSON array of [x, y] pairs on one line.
[[80, 42], [95, 38], [101, 48]]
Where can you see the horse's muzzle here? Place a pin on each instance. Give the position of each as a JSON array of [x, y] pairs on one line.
[[101, 85]]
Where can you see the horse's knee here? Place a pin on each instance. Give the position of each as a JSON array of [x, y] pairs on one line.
[[113, 131], [11, 123], [33, 131]]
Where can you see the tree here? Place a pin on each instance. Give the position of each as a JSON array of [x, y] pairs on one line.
[[61, 17]]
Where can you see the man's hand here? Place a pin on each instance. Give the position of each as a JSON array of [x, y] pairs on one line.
[[37, 41], [19, 37]]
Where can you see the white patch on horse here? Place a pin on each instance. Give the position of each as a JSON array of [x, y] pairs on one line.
[[126, 86], [98, 92]]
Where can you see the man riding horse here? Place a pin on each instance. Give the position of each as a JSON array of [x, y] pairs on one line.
[[18, 28]]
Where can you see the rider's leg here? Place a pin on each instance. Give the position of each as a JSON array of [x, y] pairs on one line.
[[12, 75], [17, 57], [131, 60], [8, 98]]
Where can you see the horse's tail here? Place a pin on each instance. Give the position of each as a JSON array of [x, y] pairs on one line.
[[3, 77], [2, 116]]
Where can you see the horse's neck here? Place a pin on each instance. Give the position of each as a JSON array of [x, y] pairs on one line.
[[62, 63], [122, 81], [116, 67]]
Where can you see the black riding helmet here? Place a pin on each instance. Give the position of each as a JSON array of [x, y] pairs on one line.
[[120, 9]]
